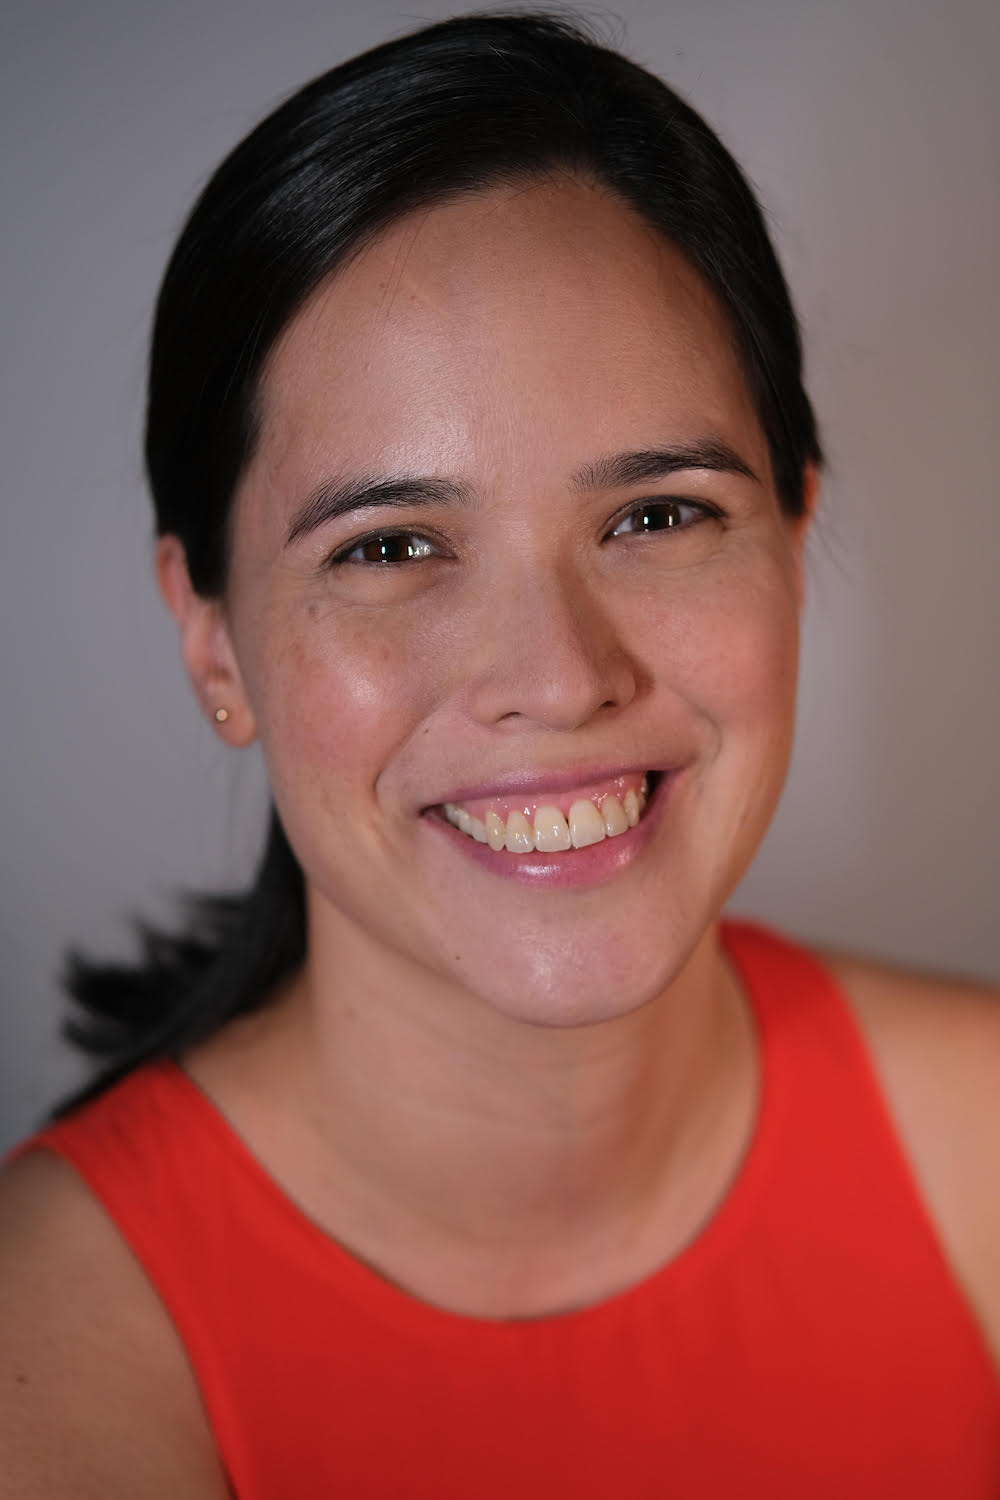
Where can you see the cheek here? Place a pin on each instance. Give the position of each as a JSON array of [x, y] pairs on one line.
[[732, 650], [338, 702]]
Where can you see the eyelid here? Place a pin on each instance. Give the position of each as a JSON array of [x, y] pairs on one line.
[[377, 533], [708, 509]]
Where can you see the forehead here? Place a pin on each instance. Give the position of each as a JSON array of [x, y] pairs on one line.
[[543, 323]]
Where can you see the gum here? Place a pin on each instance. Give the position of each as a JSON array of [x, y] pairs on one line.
[[594, 792]]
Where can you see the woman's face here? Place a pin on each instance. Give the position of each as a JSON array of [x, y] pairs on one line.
[[510, 541]]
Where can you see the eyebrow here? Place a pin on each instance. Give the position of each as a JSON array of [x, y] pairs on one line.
[[618, 470], [337, 497]]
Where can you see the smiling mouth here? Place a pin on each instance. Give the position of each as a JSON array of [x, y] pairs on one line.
[[552, 825]]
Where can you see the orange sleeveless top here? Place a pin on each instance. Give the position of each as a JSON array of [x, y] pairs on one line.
[[810, 1342]]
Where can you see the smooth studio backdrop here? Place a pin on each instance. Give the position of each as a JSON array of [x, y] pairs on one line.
[[871, 129]]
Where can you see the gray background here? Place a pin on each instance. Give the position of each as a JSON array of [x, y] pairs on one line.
[[871, 129]]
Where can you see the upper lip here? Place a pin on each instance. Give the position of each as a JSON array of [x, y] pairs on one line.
[[541, 783]]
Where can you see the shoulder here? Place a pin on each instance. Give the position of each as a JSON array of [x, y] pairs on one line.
[[935, 1043], [935, 1047], [95, 1393]]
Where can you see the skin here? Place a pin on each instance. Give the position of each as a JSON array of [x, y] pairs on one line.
[[582, 1030], [470, 1074], [535, 644]]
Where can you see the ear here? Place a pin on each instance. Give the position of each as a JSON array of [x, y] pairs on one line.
[[799, 526], [206, 646]]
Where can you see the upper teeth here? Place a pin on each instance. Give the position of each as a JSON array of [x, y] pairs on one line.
[[551, 830]]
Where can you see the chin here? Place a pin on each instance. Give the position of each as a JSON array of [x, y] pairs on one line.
[[589, 989]]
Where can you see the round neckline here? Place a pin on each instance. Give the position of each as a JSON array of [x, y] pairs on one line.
[[366, 1287]]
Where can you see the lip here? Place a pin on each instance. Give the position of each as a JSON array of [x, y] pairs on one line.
[[574, 868]]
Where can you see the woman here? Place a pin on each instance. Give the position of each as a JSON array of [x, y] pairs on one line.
[[469, 1155]]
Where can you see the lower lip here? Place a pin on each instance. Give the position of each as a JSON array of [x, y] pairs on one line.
[[573, 868]]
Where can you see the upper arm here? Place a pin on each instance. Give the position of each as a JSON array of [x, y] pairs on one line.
[[935, 1046], [96, 1395]]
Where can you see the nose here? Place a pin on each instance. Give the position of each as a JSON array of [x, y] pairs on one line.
[[551, 652]]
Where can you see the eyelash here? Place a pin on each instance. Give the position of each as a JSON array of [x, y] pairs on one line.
[[700, 509], [345, 554]]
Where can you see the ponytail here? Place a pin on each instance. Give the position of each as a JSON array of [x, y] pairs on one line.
[[232, 953]]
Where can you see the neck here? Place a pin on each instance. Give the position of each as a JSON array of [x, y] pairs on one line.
[[483, 1142]]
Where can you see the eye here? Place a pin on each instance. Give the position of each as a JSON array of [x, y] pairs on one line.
[[663, 515], [386, 548]]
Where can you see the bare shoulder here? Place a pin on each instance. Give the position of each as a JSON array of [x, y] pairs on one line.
[[935, 1040], [935, 1046], [96, 1397]]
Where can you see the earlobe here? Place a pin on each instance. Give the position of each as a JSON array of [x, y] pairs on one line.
[[206, 646]]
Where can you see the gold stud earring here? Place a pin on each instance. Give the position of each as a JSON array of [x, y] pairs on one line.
[[221, 715]]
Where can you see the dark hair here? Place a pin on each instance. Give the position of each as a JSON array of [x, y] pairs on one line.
[[459, 106]]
